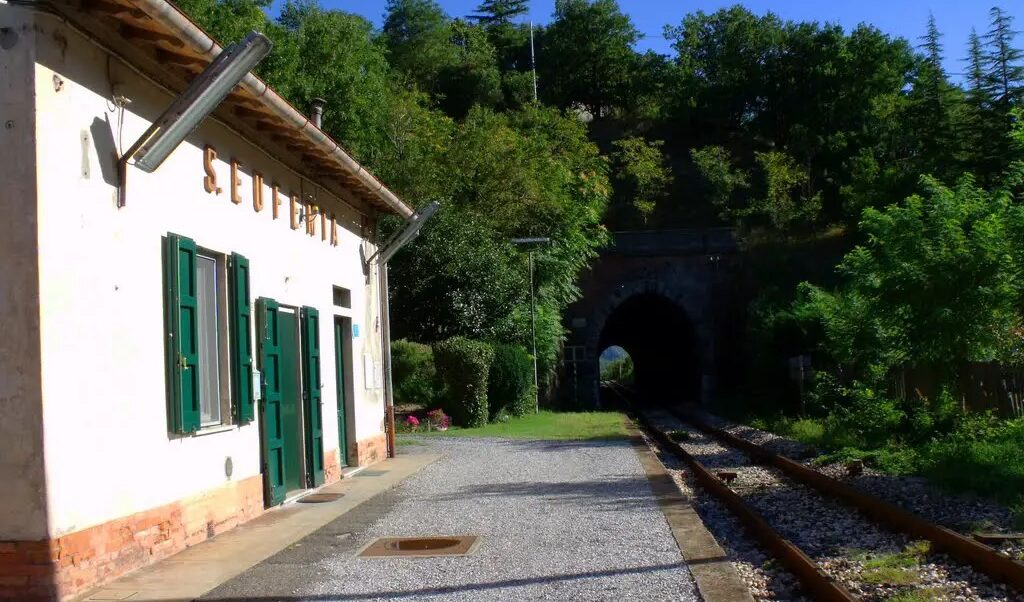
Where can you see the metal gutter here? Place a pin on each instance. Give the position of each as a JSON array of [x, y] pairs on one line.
[[169, 16]]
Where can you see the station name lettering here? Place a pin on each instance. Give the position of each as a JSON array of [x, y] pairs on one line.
[[301, 214]]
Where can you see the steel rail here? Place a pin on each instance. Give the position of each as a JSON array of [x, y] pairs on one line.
[[817, 583], [965, 549]]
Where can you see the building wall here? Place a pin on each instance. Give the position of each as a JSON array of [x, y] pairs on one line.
[[107, 448], [22, 505]]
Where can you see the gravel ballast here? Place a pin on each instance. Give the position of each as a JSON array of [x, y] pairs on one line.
[[557, 521], [843, 542]]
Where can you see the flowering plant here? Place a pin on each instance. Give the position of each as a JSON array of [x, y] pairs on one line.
[[438, 420], [412, 422]]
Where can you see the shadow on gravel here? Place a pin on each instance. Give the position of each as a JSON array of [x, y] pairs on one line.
[[619, 492], [456, 589]]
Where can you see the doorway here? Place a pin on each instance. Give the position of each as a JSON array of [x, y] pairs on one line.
[[290, 421], [343, 380], [291, 402]]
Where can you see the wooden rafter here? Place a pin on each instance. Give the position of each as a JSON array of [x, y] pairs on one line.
[[113, 8], [177, 58], [141, 33]]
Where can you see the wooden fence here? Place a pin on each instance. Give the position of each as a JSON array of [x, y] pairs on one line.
[[980, 386]]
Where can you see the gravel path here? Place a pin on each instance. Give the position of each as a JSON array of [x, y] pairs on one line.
[[841, 540], [558, 521]]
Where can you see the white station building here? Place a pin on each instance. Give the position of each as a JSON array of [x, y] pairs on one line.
[[185, 349]]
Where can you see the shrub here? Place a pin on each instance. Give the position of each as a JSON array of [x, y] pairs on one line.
[[511, 382], [412, 366], [464, 364]]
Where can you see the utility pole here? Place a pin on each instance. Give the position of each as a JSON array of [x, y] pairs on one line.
[[533, 63], [531, 243]]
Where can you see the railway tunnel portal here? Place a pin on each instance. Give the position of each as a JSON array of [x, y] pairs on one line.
[[665, 297]]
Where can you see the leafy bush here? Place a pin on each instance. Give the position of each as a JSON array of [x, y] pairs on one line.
[[511, 382], [859, 415], [983, 455], [412, 366], [464, 364]]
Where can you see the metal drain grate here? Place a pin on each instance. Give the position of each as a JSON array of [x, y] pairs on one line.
[[455, 545], [371, 473], [320, 498]]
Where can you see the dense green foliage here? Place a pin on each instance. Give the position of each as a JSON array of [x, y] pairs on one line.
[[464, 366], [414, 375], [937, 282], [510, 383]]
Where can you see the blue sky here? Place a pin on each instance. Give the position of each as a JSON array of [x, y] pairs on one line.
[[905, 18]]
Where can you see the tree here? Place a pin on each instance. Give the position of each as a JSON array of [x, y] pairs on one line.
[[500, 12], [418, 38], [787, 199], [936, 283], [472, 77], [1004, 77], [721, 180], [932, 111], [642, 175], [587, 56]]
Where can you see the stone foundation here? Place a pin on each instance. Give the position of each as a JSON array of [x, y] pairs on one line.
[[60, 568]]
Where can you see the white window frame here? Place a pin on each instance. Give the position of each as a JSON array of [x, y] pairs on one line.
[[223, 343]]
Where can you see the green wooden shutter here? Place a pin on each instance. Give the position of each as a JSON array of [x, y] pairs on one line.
[[181, 337], [271, 418], [311, 385], [241, 340]]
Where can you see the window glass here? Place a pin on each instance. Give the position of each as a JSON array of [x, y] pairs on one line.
[[208, 338]]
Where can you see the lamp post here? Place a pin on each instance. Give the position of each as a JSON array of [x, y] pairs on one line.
[[530, 243]]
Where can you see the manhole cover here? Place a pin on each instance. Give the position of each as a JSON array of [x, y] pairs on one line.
[[319, 498], [456, 545]]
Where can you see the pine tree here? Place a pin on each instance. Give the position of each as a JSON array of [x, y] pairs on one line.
[[933, 110], [975, 69], [932, 76], [1004, 75], [500, 12]]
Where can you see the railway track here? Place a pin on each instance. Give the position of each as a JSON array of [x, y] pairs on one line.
[[904, 555]]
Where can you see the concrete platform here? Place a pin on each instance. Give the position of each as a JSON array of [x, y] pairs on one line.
[[555, 521], [594, 520], [197, 570]]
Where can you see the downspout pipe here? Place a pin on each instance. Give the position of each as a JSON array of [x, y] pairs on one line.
[[166, 14], [381, 258]]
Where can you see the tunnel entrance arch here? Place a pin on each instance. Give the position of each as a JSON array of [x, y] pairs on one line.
[[685, 276], [662, 341]]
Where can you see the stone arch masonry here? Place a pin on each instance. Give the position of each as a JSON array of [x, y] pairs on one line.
[[691, 268]]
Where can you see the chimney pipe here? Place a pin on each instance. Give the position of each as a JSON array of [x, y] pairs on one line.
[[318, 111]]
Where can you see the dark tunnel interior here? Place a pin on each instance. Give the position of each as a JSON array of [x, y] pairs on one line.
[[661, 340]]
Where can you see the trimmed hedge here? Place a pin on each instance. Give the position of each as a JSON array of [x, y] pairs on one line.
[[464, 365], [412, 366], [511, 382]]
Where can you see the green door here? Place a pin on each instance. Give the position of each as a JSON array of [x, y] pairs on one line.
[[291, 394], [312, 401], [340, 330], [271, 414]]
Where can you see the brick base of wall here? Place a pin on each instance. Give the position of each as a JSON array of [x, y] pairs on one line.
[[60, 568], [371, 450], [332, 466]]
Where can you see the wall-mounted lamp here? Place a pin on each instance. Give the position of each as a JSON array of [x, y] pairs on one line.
[[203, 95]]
